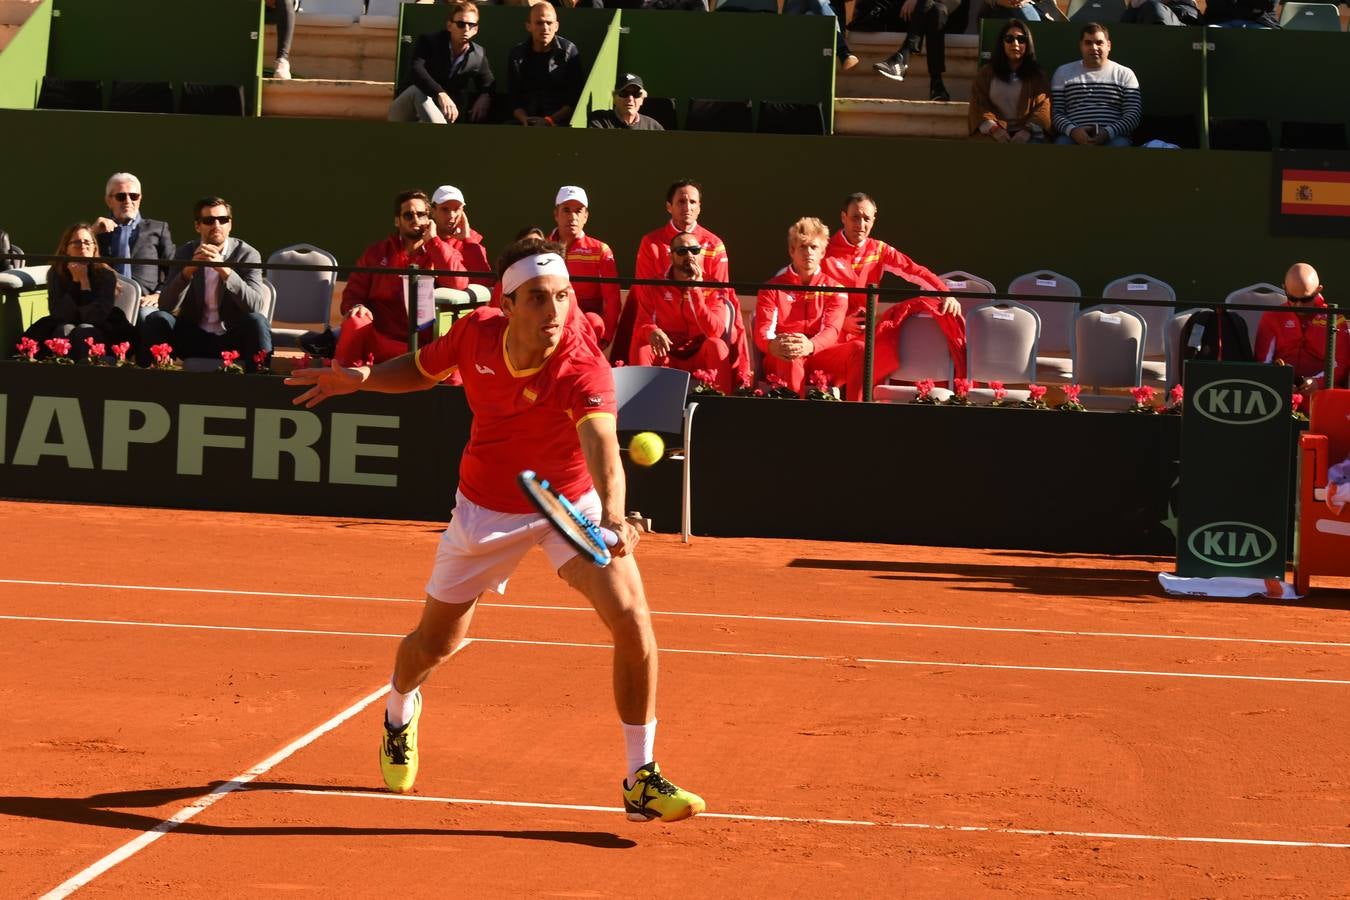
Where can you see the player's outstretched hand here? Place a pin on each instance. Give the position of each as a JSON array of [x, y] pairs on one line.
[[627, 535], [324, 383]]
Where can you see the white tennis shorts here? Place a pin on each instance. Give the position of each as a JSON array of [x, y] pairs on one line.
[[482, 547]]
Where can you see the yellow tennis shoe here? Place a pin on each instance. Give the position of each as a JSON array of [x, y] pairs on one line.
[[398, 752], [652, 797]]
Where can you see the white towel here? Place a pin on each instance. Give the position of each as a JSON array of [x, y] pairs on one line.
[[1271, 588]]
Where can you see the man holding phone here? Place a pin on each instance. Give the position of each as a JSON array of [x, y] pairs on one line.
[[1095, 101]]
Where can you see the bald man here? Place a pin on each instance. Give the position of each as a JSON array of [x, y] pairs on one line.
[[544, 72], [1300, 339]]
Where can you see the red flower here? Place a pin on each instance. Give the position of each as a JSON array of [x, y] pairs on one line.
[[27, 347], [229, 356], [776, 381], [962, 387], [999, 390], [1072, 392], [1177, 393], [819, 380], [58, 346], [260, 359], [120, 350], [759, 392], [162, 353], [1143, 395], [96, 351], [744, 380], [1037, 391], [1294, 402], [925, 387]]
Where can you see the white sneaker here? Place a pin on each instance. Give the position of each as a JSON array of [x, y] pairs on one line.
[[282, 69]]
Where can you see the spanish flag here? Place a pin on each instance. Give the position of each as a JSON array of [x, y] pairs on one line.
[[1310, 192]]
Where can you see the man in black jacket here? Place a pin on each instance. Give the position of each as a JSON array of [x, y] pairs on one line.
[[127, 234], [451, 74], [545, 75]]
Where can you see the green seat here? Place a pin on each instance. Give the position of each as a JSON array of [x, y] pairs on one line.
[[1310, 17]]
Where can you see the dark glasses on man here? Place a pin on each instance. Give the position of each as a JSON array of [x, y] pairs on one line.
[[1014, 39], [464, 23], [630, 93], [124, 196], [414, 215], [687, 251], [1293, 298], [214, 220]]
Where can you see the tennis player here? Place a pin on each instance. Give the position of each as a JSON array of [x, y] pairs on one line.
[[542, 397]]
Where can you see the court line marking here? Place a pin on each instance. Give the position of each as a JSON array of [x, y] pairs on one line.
[[919, 826], [145, 839], [797, 620], [922, 663]]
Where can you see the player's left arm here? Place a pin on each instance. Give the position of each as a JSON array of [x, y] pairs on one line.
[[599, 438]]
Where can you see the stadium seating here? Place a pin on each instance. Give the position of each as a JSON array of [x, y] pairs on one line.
[[1133, 288], [303, 297], [1107, 12], [1108, 352], [1001, 341], [969, 284], [1262, 293], [128, 298], [653, 398], [1053, 364], [1310, 17], [923, 355], [1176, 358]]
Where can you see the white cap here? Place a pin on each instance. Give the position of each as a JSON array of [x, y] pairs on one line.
[[446, 192], [571, 192]]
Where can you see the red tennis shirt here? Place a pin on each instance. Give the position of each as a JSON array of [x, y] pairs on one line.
[[522, 419]]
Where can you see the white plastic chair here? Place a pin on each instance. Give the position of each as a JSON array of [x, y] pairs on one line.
[[1054, 364], [966, 282], [1001, 341], [653, 398], [923, 355], [1263, 293], [128, 298], [1108, 352], [302, 297]]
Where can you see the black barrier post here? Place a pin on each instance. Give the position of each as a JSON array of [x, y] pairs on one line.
[[412, 308], [1235, 470], [869, 345], [1331, 346]]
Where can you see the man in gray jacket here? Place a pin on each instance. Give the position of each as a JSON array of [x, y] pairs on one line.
[[206, 309]]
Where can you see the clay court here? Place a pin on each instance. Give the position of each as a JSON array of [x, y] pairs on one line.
[[192, 704]]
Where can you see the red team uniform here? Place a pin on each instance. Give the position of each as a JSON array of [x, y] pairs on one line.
[[590, 257], [1301, 341], [818, 314], [521, 419], [387, 336], [866, 263], [695, 320], [475, 257]]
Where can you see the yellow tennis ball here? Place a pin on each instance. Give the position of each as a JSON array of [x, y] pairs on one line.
[[646, 448]]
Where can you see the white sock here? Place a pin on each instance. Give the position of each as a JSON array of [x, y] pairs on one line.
[[398, 709], [639, 741]]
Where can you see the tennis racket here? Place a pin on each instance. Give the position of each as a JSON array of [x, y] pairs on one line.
[[589, 539]]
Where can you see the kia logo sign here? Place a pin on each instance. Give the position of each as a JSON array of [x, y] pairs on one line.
[[1232, 544], [1238, 401]]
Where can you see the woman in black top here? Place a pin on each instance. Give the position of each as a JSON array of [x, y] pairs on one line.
[[81, 299]]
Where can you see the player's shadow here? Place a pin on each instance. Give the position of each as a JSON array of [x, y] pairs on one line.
[[110, 810]]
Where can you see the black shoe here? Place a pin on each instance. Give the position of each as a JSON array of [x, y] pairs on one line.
[[322, 344], [937, 90], [892, 67]]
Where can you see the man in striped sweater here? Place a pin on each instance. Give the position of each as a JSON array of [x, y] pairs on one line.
[[1096, 101]]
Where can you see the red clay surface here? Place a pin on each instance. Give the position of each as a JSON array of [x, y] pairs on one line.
[[857, 710]]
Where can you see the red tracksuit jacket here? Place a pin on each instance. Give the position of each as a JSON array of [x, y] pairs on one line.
[[1301, 341], [383, 294], [591, 257], [818, 314]]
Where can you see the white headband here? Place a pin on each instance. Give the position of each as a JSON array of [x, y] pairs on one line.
[[522, 270]]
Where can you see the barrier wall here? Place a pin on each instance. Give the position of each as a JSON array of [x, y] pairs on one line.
[[23, 62], [1198, 220], [947, 476]]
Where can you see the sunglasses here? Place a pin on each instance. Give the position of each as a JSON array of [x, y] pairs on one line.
[[462, 23], [1308, 299], [632, 93], [124, 196], [687, 251], [1014, 39], [411, 216], [214, 220]]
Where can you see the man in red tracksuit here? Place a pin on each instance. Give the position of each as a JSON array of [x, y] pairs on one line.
[[684, 328], [452, 225], [587, 256], [374, 306], [854, 254], [796, 327], [684, 203], [1301, 340]]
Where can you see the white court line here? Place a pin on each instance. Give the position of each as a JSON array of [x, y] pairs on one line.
[[745, 817], [745, 654], [800, 620], [145, 839]]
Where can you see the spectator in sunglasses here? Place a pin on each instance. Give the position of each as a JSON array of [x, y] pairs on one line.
[[452, 79], [206, 309], [684, 327], [1288, 338], [124, 233], [374, 304], [544, 72], [1010, 98], [629, 93]]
